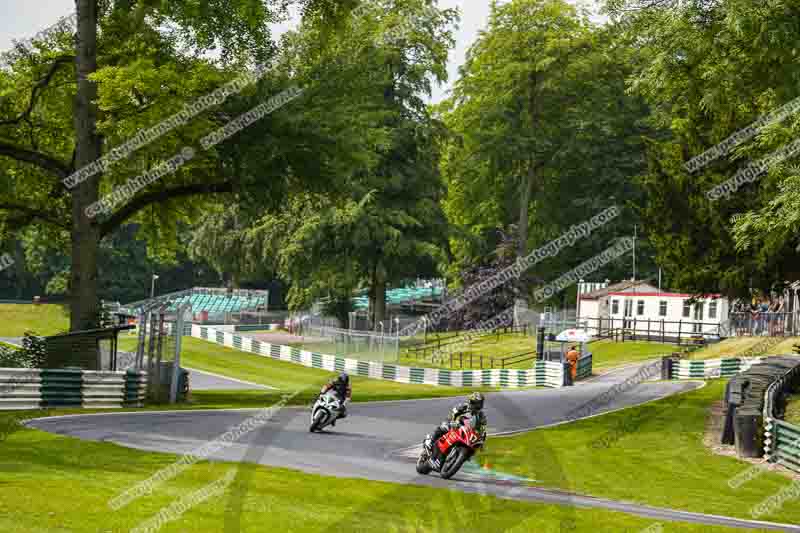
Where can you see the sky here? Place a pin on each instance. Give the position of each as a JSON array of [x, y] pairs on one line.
[[22, 19]]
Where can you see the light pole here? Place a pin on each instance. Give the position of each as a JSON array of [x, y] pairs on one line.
[[153, 286]]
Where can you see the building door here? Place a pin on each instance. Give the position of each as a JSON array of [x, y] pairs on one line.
[[627, 323], [697, 327]]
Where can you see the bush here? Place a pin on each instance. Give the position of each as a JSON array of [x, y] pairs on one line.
[[31, 355], [11, 357]]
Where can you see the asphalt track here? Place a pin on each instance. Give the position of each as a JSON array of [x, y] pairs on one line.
[[201, 380], [378, 441]]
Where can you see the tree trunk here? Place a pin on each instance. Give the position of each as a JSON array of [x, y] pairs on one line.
[[524, 203], [380, 299], [379, 296], [522, 246], [19, 270], [85, 234]]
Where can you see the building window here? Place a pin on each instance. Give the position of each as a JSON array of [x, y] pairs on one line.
[[640, 307], [712, 309], [614, 307], [687, 310], [662, 308]]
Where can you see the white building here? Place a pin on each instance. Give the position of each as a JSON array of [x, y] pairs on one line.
[[645, 311]]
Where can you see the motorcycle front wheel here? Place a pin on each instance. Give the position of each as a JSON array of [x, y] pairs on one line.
[[453, 462], [318, 416]]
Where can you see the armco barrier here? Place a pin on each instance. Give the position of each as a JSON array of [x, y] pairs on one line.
[[710, 368], [35, 388], [543, 373], [584, 367], [257, 327], [782, 443], [781, 439]]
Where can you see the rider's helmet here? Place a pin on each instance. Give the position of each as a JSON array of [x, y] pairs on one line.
[[343, 378], [475, 402]]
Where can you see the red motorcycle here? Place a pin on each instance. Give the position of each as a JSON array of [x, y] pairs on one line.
[[456, 447]]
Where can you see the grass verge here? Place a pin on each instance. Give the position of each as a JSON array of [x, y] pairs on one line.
[[608, 354], [203, 355], [651, 454], [52, 484], [44, 319], [792, 414], [747, 346]]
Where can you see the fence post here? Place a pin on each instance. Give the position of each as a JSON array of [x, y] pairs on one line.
[[680, 326], [663, 337], [648, 329]]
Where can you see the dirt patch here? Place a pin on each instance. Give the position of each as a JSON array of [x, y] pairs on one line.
[[713, 441]]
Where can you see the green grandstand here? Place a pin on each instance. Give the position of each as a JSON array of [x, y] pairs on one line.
[[213, 301], [403, 296]]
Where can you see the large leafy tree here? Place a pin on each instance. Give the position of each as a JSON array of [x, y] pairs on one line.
[[129, 64], [381, 221], [543, 134], [713, 68]]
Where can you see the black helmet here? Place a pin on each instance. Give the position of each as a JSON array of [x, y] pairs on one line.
[[344, 378], [476, 402]]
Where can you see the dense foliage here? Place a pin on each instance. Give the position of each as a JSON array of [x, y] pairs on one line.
[[359, 184]]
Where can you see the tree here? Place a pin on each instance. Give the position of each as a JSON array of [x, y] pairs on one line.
[[543, 134], [715, 67], [380, 222], [66, 108]]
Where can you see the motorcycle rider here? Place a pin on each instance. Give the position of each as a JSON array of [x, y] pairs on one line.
[[341, 387], [473, 406]]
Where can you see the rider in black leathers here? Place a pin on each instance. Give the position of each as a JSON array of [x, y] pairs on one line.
[[473, 406], [341, 386]]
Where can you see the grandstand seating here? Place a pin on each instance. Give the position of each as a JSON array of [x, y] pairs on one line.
[[214, 301], [217, 303], [406, 295]]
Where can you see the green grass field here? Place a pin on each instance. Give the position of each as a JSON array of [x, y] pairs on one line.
[[608, 354], [45, 319], [204, 355], [738, 346], [652, 454], [60, 484], [792, 414]]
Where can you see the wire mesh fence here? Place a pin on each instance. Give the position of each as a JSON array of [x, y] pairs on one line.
[[376, 346]]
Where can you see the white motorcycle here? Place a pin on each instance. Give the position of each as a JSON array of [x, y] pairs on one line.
[[325, 411]]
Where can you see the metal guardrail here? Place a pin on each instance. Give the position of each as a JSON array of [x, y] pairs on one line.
[[781, 439], [33, 388], [542, 373], [584, 367]]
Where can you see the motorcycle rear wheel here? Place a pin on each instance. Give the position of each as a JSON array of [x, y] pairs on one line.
[[317, 421], [453, 462]]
